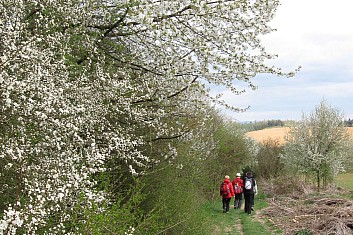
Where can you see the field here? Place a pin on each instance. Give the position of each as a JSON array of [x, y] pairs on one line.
[[345, 181], [276, 133]]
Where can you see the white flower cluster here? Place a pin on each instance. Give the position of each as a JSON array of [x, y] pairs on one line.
[[83, 83], [11, 221], [130, 231], [319, 144]]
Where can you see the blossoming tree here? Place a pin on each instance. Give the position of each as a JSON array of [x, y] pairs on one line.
[[319, 144], [82, 82]]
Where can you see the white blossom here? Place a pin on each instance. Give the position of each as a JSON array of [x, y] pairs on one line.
[[77, 90]]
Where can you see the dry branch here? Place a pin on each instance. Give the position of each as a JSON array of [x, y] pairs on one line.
[[319, 215]]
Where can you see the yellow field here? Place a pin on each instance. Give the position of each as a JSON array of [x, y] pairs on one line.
[[276, 133]]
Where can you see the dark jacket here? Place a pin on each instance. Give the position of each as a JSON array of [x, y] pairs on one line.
[[251, 191]]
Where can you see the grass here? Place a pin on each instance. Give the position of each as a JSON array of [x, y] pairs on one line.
[[345, 181], [253, 227], [218, 222]]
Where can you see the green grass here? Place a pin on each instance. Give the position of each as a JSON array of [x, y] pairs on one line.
[[253, 227], [218, 222], [345, 181]]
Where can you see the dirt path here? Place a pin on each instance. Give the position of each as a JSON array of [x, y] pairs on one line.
[[238, 222], [239, 226]]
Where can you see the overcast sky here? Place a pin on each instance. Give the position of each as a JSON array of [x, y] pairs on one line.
[[318, 36]]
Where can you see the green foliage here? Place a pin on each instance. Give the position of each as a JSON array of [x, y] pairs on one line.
[[232, 148], [268, 164], [116, 218], [176, 193], [9, 184], [248, 168], [229, 154]]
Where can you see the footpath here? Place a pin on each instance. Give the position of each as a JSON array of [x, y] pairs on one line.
[[237, 222]]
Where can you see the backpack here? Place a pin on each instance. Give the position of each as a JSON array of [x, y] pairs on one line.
[[249, 185], [238, 189], [225, 189]]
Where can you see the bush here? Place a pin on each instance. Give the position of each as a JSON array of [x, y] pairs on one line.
[[268, 159], [282, 185]]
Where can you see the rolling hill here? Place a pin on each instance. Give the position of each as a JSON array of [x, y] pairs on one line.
[[276, 133]]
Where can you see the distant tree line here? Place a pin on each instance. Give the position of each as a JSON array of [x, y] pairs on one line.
[[348, 123], [260, 125], [255, 126]]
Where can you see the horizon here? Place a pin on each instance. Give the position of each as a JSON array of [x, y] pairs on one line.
[[321, 45]]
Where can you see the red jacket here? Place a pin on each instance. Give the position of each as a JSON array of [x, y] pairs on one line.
[[238, 181], [231, 189]]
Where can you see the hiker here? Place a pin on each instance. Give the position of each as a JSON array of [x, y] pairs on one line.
[[238, 191], [253, 195], [227, 192], [249, 191]]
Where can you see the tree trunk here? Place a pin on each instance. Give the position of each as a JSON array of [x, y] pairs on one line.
[[318, 181]]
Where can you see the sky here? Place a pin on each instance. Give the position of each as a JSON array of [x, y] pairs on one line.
[[318, 36]]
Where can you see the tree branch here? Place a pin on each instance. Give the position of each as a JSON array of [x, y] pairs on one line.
[[113, 26], [170, 96], [182, 90], [31, 13], [170, 137]]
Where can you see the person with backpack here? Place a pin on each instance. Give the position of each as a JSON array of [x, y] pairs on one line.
[[238, 185], [227, 192], [249, 191], [255, 192]]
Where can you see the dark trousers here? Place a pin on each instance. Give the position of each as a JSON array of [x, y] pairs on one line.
[[253, 200], [237, 200], [249, 202], [226, 202]]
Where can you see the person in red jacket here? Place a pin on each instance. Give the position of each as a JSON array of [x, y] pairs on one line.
[[227, 192], [238, 185]]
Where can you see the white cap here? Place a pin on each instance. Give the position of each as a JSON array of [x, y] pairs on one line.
[[238, 175]]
